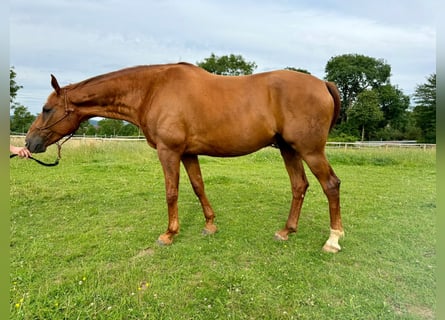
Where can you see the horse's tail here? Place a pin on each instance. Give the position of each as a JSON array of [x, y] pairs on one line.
[[337, 102]]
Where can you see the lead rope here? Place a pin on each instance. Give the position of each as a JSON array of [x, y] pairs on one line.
[[59, 146], [55, 163], [59, 156]]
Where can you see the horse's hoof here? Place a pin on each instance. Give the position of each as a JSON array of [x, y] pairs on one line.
[[279, 237], [331, 244], [207, 231], [209, 228], [331, 248], [164, 241]]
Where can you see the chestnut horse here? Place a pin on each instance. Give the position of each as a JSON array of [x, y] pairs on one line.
[[184, 111]]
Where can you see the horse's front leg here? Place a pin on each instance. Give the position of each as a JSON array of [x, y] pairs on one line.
[[191, 165], [170, 164]]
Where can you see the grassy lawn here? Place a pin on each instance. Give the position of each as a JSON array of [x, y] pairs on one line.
[[83, 238]]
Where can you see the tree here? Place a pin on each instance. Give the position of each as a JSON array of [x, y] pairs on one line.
[[297, 69], [13, 87], [86, 128], [365, 114], [130, 129], [394, 105], [21, 119], [425, 110], [110, 127], [231, 65], [353, 74]]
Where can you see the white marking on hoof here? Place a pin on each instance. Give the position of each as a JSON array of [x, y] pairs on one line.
[[331, 244]]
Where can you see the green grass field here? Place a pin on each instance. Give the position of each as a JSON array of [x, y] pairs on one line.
[[83, 238]]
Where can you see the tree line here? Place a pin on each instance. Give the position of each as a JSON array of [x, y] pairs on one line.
[[372, 107]]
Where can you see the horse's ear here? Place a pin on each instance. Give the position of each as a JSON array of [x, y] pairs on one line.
[[55, 84]]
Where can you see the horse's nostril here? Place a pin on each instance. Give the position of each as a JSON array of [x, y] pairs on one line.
[[35, 145]]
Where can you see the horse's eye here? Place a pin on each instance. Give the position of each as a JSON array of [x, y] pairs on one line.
[[46, 109]]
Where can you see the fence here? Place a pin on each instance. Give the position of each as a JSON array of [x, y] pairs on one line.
[[343, 145], [381, 144]]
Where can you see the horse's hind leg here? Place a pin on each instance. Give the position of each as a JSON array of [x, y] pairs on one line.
[[299, 184], [191, 165], [321, 168]]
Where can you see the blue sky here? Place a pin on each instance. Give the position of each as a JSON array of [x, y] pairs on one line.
[[79, 39]]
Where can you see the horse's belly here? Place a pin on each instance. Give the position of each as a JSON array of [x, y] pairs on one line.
[[230, 143]]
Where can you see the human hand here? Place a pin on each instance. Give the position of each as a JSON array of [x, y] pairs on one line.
[[22, 152]]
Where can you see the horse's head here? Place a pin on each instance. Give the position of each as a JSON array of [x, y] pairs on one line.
[[58, 119]]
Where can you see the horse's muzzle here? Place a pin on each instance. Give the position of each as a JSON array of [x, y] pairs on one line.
[[35, 144]]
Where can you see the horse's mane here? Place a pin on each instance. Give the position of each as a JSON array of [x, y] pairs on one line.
[[119, 73]]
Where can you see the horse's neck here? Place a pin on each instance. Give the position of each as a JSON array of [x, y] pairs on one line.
[[109, 100]]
